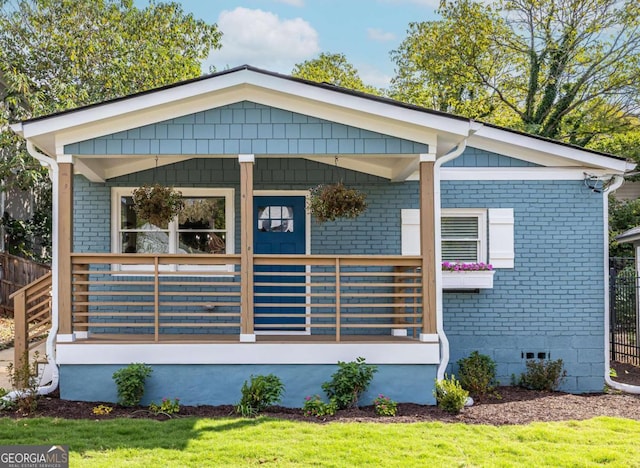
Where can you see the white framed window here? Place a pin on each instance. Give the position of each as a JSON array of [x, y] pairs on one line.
[[464, 235], [205, 226], [468, 235]]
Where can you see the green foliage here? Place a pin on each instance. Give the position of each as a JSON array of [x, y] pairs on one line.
[[564, 69], [329, 202], [314, 406], [334, 69], [24, 378], [258, 393], [349, 382], [385, 406], [623, 215], [477, 374], [130, 381], [167, 406], [61, 54], [450, 395], [543, 375], [157, 204]]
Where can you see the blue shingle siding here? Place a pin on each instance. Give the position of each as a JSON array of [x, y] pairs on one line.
[[245, 127], [553, 300], [475, 157]]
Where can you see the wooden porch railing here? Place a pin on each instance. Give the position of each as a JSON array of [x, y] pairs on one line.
[[32, 316], [156, 294], [200, 294]]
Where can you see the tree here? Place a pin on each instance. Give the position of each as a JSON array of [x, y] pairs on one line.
[[60, 54], [623, 215], [334, 69], [543, 66], [64, 53]]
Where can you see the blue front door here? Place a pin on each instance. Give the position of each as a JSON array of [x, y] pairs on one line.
[[279, 228]]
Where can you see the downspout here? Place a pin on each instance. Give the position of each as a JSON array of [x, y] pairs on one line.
[[52, 165], [619, 180], [442, 337]]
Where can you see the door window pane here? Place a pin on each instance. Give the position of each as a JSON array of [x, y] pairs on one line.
[[275, 218]]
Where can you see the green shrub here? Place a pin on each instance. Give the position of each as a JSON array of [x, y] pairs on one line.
[[314, 406], [349, 382], [543, 375], [385, 406], [258, 393], [477, 374], [130, 381], [450, 395], [166, 406], [24, 378]]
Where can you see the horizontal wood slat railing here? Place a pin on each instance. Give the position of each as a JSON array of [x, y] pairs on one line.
[[346, 294], [32, 316], [155, 294], [200, 294]]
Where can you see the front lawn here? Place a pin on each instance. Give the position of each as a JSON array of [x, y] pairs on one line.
[[248, 442]]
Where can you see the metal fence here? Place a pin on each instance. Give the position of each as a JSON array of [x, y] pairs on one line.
[[623, 308]]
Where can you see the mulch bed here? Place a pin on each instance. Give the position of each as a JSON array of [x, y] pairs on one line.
[[516, 406], [513, 406]]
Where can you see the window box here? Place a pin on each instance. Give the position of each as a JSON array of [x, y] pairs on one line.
[[467, 279]]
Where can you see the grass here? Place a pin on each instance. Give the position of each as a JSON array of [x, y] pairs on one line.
[[262, 441]]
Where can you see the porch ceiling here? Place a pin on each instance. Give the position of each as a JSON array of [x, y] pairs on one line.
[[392, 167]]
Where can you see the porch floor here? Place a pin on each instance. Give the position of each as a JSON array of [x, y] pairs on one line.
[[190, 338]]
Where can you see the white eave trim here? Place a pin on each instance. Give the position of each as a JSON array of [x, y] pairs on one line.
[[524, 146]]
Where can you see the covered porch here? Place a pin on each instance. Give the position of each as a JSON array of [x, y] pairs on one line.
[[245, 297]]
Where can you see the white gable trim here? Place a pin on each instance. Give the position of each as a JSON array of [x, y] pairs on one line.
[[441, 132]]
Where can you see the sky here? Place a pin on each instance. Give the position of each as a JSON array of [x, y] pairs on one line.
[[278, 34]]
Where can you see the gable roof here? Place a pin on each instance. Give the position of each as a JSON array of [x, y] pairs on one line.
[[440, 130]]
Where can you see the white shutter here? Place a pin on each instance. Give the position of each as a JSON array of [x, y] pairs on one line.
[[410, 231], [501, 234]]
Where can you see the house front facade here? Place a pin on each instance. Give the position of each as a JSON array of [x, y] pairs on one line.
[[245, 281]]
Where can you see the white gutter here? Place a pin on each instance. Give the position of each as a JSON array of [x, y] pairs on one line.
[[52, 165], [442, 337], [619, 180]]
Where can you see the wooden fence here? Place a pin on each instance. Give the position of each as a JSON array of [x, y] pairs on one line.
[[16, 273]]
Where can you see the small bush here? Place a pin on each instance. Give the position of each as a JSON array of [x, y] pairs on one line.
[[130, 381], [258, 393], [385, 406], [24, 378], [543, 375], [167, 406], [477, 374], [349, 382], [314, 406], [450, 395]]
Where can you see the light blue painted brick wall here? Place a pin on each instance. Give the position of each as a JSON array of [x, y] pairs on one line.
[[553, 300], [377, 231], [245, 127]]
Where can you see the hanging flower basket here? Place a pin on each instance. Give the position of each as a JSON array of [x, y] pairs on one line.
[[328, 202], [157, 204]]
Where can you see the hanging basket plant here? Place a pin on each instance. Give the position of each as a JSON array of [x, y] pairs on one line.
[[157, 204], [329, 202]]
